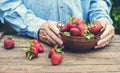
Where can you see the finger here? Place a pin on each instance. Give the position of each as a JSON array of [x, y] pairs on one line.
[[102, 45], [54, 37], [43, 38], [51, 40], [106, 32], [104, 40], [60, 25], [48, 40], [53, 27]]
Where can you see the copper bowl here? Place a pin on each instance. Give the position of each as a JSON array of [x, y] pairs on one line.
[[79, 44]]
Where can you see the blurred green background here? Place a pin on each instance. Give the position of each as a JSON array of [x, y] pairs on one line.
[[115, 14]]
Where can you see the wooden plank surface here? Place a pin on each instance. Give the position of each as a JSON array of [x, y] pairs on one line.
[[1, 35], [106, 60]]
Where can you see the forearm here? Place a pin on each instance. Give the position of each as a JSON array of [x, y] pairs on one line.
[[100, 9], [23, 20]]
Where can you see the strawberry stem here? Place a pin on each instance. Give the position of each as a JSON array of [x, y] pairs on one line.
[[71, 19], [31, 42], [9, 37], [59, 50]]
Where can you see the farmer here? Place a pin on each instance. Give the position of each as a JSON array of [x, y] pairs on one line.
[[27, 17]]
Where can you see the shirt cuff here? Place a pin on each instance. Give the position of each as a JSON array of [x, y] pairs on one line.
[[34, 28], [107, 18]]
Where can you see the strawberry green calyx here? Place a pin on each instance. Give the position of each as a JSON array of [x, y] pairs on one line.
[[88, 35], [91, 25], [31, 42], [29, 53], [27, 50], [30, 56], [59, 50], [9, 37], [71, 19], [66, 33]]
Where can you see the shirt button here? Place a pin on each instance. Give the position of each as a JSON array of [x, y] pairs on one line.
[[61, 6]]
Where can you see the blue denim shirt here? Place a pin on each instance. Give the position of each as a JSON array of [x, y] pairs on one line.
[[26, 16]]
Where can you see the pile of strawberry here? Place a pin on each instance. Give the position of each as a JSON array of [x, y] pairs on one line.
[[35, 48], [77, 27], [56, 55], [32, 52]]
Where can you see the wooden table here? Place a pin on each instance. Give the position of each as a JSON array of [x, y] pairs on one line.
[[106, 60]]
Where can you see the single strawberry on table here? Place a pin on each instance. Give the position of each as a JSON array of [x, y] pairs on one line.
[[34, 51], [9, 43], [56, 55], [52, 50], [56, 58], [31, 52]]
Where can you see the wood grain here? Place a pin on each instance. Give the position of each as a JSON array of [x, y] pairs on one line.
[[106, 60], [1, 35]]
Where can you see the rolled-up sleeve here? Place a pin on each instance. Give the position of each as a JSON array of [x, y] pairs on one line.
[[23, 20], [100, 9]]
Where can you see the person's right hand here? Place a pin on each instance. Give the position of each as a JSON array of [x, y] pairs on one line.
[[49, 33]]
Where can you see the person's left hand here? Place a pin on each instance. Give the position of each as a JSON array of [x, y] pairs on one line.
[[107, 35]]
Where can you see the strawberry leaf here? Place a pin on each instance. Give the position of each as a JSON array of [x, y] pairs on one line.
[[9, 37], [31, 42], [30, 56], [26, 50], [71, 19], [59, 50], [88, 35], [66, 33]]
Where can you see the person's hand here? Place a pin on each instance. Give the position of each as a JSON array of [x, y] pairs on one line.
[[49, 33], [107, 35]]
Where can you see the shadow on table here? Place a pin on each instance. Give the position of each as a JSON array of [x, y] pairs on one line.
[[7, 29], [88, 51]]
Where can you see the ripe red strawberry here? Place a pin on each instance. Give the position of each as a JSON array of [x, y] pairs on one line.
[[31, 52], [82, 30], [99, 26], [51, 52], [38, 45], [70, 25], [35, 41], [28, 52], [95, 27], [56, 55], [64, 28], [74, 31], [34, 51], [78, 21], [56, 58], [9, 43]]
